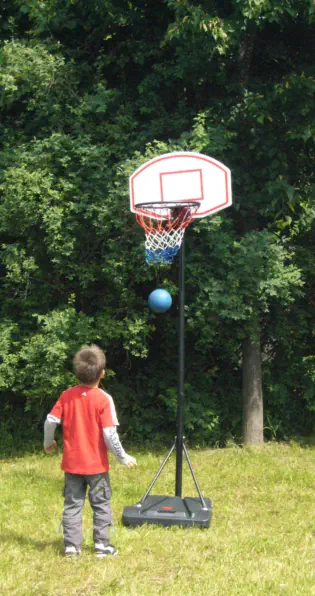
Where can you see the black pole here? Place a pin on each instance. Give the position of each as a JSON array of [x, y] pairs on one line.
[[157, 475], [181, 374]]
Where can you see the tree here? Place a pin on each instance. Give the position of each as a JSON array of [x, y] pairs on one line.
[[89, 91], [279, 161]]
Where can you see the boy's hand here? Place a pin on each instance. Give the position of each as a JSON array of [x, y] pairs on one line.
[[131, 462], [51, 447]]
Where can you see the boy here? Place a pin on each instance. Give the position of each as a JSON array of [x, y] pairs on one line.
[[89, 424]]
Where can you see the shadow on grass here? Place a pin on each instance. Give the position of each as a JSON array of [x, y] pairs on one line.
[[11, 453], [304, 442], [18, 452], [25, 541], [158, 449], [35, 479]]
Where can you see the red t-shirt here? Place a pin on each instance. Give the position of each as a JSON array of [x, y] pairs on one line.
[[84, 412]]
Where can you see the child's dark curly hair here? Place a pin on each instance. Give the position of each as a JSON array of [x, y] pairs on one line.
[[88, 364]]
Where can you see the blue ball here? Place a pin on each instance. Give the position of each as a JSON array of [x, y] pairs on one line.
[[160, 301]]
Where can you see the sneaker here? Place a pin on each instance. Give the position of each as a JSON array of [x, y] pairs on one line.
[[72, 551], [103, 551]]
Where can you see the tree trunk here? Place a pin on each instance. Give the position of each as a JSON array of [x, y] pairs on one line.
[[253, 417]]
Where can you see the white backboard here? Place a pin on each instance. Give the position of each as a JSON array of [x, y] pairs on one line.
[[182, 176]]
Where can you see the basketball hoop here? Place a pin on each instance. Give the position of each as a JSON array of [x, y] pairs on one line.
[[166, 194], [164, 225]]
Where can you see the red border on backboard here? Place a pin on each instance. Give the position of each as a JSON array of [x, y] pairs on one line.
[[183, 172], [176, 156]]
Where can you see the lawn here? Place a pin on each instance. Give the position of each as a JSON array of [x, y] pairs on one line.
[[261, 540]]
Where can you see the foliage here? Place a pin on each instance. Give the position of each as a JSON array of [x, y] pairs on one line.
[[89, 91]]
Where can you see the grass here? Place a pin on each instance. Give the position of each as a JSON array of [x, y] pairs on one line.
[[261, 540]]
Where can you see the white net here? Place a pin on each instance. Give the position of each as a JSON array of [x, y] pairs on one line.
[[161, 247], [164, 225]]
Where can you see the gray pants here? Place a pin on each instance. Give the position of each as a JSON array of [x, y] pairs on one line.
[[99, 497]]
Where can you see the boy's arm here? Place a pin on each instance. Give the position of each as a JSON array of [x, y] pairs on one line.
[[109, 421], [49, 432], [113, 443]]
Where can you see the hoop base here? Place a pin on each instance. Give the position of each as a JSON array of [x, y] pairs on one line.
[[169, 511]]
